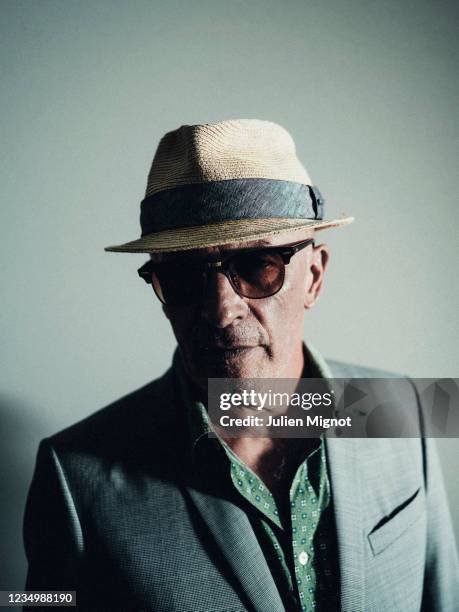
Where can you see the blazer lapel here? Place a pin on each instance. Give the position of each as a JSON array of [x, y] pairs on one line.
[[346, 491], [234, 535]]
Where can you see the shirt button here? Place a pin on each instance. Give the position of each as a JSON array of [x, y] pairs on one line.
[[303, 557]]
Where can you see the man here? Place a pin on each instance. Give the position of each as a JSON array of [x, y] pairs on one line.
[[136, 507]]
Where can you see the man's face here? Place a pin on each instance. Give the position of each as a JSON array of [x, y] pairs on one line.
[[229, 336]]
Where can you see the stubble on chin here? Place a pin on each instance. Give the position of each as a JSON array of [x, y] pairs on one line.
[[254, 363]]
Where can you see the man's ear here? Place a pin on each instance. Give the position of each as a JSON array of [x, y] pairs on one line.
[[316, 272]]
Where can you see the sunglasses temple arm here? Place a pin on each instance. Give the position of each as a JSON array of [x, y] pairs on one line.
[[305, 244]]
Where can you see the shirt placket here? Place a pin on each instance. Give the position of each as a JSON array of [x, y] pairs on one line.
[[305, 515]]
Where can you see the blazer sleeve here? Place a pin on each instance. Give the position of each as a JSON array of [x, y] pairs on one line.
[[441, 579], [53, 536]]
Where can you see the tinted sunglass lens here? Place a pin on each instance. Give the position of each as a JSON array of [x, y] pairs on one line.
[[258, 274], [178, 285]]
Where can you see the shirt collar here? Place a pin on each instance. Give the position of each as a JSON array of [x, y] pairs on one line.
[[318, 367]]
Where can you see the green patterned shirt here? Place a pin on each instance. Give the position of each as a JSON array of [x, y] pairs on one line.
[[299, 544]]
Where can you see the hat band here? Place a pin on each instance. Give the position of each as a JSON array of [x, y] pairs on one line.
[[229, 200]]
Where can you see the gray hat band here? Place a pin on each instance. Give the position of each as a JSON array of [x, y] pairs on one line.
[[214, 202]]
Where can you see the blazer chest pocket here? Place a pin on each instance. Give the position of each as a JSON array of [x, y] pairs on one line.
[[389, 529]]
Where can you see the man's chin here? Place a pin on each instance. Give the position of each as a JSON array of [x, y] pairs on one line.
[[240, 362]]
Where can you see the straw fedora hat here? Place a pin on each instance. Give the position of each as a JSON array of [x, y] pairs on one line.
[[218, 183]]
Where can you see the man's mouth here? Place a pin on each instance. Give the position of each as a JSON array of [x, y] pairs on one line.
[[236, 348], [227, 343]]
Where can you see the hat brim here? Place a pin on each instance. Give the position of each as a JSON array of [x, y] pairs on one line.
[[226, 232]]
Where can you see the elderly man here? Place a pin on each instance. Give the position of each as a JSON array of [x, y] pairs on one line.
[[138, 508]]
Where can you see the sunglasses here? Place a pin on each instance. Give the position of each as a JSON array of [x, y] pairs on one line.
[[253, 273]]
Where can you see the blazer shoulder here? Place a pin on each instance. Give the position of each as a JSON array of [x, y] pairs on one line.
[[145, 409]]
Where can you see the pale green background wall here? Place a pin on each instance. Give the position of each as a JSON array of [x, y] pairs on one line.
[[369, 90]]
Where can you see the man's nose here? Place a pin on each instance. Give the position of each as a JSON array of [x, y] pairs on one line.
[[222, 306]]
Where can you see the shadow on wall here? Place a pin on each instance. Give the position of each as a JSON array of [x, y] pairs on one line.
[[21, 431]]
